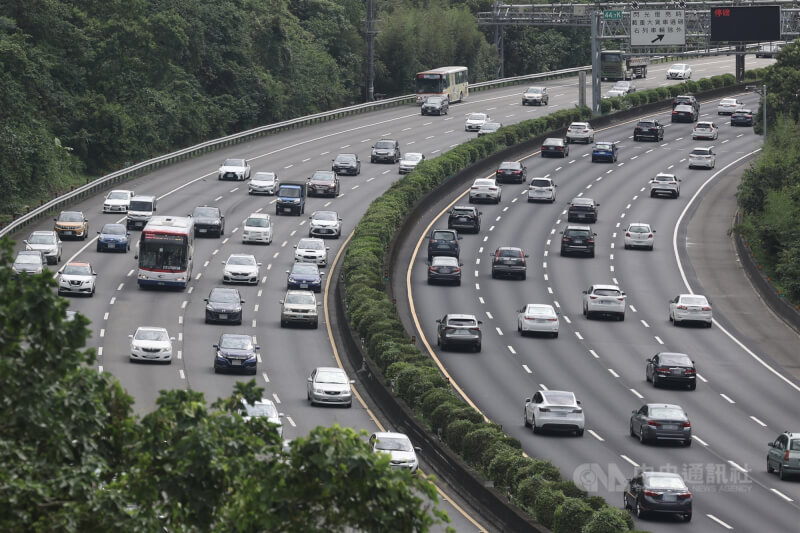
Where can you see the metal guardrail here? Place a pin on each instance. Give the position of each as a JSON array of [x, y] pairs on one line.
[[139, 169]]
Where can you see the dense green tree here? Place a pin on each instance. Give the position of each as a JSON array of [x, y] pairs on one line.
[[783, 86]]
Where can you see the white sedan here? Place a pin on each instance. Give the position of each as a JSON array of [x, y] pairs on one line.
[[241, 268], [398, 446], [607, 300], [151, 344], [409, 162], [311, 250], [263, 408], [538, 318], [263, 183], [475, 121], [702, 157], [234, 169], [690, 308], [728, 105], [639, 235], [117, 201], [679, 71], [556, 410], [485, 190]]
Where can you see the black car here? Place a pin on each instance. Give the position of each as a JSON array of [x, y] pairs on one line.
[[435, 105], [385, 150], [511, 172], [555, 146], [459, 330], [323, 183], [224, 305], [444, 269], [577, 239], [464, 217], [582, 210], [671, 367], [684, 113], [348, 164], [686, 99], [658, 493], [742, 117], [236, 353], [208, 221], [648, 129], [443, 242], [509, 261], [661, 421]]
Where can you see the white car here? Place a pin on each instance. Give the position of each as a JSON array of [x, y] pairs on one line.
[[76, 278], [639, 235], [580, 131], [311, 250], [263, 408], [702, 157], [151, 344], [485, 190], [605, 300], [727, 106], [117, 201], [679, 71], [665, 184], [299, 307], [542, 190], [614, 92], [538, 318], [263, 183], [410, 161], [554, 410], [234, 169], [241, 268], [398, 446], [257, 227], [705, 130], [690, 308], [475, 121], [46, 242], [325, 224], [329, 384]]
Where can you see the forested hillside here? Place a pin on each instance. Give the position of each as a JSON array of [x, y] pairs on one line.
[[87, 86]]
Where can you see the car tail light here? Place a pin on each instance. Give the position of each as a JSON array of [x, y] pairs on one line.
[[707, 308], [474, 187], [559, 147], [585, 131], [686, 425], [456, 269], [690, 371], [652, 493], [449, 328], [566, 239], [653, 423], [432, 269], [552, 320], [682, 307], [684, 495], [662, 369], [627, 233], [547, 410], [786, 456], [577, 410], [590, 241], [517, 172], [492, 188], [593, 297], [475, 330], [674, 112], [621, 298]]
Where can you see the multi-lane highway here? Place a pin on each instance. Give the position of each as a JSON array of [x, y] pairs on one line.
[[288, 355]]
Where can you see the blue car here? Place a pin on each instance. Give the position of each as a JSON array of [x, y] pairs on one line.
[[604, 151], [236, 353], [113, 238], [304, 276]]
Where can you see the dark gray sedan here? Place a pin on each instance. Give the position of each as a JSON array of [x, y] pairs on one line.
[[661, 421], [658, 493], [444, 269]]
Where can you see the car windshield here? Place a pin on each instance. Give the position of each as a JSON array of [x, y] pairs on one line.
[[78, 270], [665, 178], [639, 229], [412, 156], [509, 166], [622, 84], [462, 322], [443, 236], [577, 233], [604, 146], [607, 292], [346, 158], [234, 163], [224, 296], [289, 192], [323, 176], [484, 183], [328, 376], [666, 412], [267, 410], [70, 216], [305, 268], [301, 298], [462, 212], [675, 359], [434, 100], [646, 124], [700, 151], [490, 126], [393, 444], [664, 482], [509, 252], [534, 90], [150, 335], [257, 222], [26, 259], [678, 66], [578, 125], [141, 205], [552, 141], [477, 116], [41, 238], [683, 108], [702, 126], [694, 300], [728, 101], [310, 244], [236, 342], [540, 183], [118, 195], [742, 112], [325, 215], [559, 398], [384, 145], [242, 260], [443, 260], [205, 212], [264, 176], [114, 229]]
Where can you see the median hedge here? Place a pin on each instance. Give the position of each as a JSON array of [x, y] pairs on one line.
[[533, 484]]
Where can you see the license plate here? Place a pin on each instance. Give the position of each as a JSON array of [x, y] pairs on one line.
[[304, 285], [462, 219], [223, 316], [676, 371], [111, 245], [670, 426], [68, 232], [559, 413], [236, 362], [670, 498], [508, 261], [578, 241], [287, 209], [203, 230]]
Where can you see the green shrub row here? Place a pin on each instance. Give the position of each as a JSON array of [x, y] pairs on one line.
[[533, 484]]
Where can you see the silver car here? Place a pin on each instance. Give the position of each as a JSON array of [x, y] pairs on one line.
[[535, 96], [690, 308], [398, 446], [241, 268], [325, 224], [538, 318], [46, 242], [475, 121], [76, 278], [234, 169], [29, 262], [311, 250], [784, 455], [331, 385], [410, 161], [150, 343], [604, 300], [263, 183], [555, 410], [263, 408], [679, 71], [257, 228], [661, 421], [299, 307], [702, 157], [542, 190], [485, 190]]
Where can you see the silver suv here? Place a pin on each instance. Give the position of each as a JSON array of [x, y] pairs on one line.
[[299, 307], [784, 455], [459, 330], [46, 242], [385, 150]]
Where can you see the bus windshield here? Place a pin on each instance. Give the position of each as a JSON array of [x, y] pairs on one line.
[[162, 255], [429, 83]]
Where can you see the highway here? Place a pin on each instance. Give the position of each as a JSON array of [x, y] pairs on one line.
[[288, 355]]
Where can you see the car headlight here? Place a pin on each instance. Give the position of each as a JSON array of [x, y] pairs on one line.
[[319, 390], [291, 279]]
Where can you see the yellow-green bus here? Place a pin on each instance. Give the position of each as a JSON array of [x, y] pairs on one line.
[[450, 82]]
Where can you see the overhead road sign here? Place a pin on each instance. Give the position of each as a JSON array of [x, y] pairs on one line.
[[745, 24], [658, 27], [610, 14]]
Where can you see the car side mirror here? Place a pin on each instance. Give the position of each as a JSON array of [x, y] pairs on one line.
[[26, 242], [438, 321], [771, 444], [309, 379], [650, 360], [322, 273], [480, 212], [623, 293], [461, 264], [280, 302], [205, 299], [295, 246], [527, 400], [241, 301], [136, 256], [259, 264], [130, 336], [223, 262], [215, 346], [287, 271], [352, 382], [258, 347], [585, 292], [594, 234], [578, 402], [526, 255], [327, 247], [653, 231], [634, 411], [417, 449], [596, 205], [480, 322], [459, 237]]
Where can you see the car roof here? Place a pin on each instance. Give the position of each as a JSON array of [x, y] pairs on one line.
[[542, 307], [236, 335], [483, 180], [465, 207], [576, 226], [578, 124], [298, 291], [517, 248], [330, 369], [553, 140], [258, 215], [665, 174], [231, 290], [547, 393], [607, 287], [707, 122], [648, 473], [457, 316], [77, 263], [673, 353], [444, 259], [638, 224], [604, 142], [151, 328], [665, 405], [582, 201], [390, 434], [43, 232], [684, 106]]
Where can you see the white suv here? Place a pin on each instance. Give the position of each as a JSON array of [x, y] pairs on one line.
[[257, 228], [542, 189], [702, 157], [604, 300], [580, 132], [556, 410], [665, 184]]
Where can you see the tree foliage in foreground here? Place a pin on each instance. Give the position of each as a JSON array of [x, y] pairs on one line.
[[74, 458]]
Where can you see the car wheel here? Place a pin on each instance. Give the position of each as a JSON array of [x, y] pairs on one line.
[[525, 419], [650, 248], [630, 428], [478, 348], [579, 432], [535, 430], [687, 517], [555, 335], [314, 325], [283, 323], [646, 376], [639, 511], [708, 324], [591, 254], [98, 247], [693, 386], [655, 381], [783, 476], [652, 194], [770, 470], [625, 505], [687, 442], [621, 317], [642, 437], [626, 246]]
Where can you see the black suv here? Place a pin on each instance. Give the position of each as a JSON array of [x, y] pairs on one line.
[[648, 129], [443, 242], [435, 105], [224, 305], [347, 164], [511, 171], [385, 150], [509, 261], [583, 210], [208, 220], [686, 99], [464, 217], [577, 239]]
